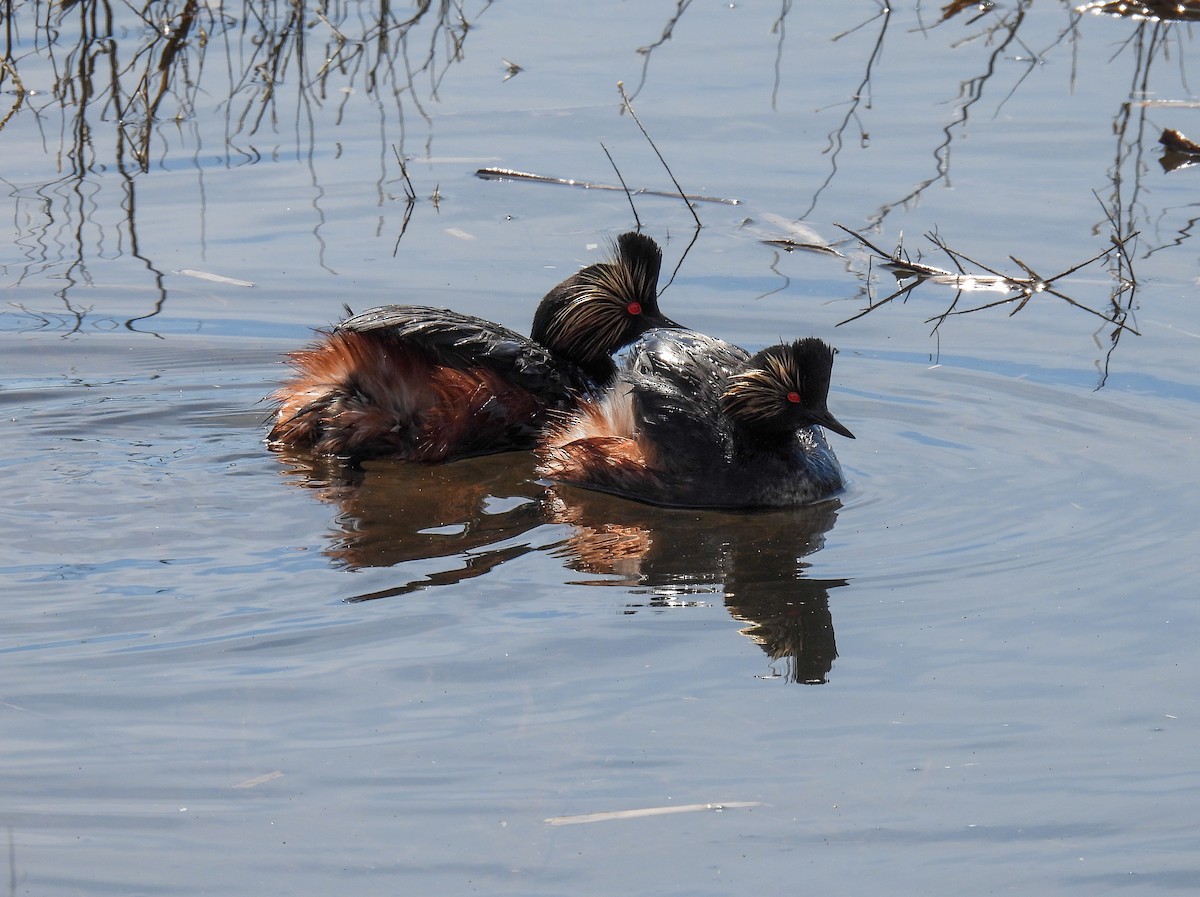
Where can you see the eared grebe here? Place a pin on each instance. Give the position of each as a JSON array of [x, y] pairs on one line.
[[693, 421], [430, 384]]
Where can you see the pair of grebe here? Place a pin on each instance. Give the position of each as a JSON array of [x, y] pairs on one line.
[[686, 420]]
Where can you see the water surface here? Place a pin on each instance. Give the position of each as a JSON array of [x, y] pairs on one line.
[[973, 671]]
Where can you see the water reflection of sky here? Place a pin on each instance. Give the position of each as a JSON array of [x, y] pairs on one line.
[[332, 115], [210, 651]]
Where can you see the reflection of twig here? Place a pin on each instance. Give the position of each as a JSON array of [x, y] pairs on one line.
[[779, 28], [121, 70], [1020, 288], [834, 148], [1000, 34], [787, 281], [136, 252], [409, 191], [1122, 203], [668, 29]]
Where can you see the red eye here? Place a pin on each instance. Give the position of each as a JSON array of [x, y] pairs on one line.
[[794, 397], [634, 308]]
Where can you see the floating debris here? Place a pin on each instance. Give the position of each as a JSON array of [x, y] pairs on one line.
[[214, 278], [1179, 151], [1148, 10], [1018, 289], [508, 174], [649, 811], [1175, 142], [982, 7], [259, 780]]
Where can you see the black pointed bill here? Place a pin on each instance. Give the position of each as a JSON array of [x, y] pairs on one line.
[[829, 422]]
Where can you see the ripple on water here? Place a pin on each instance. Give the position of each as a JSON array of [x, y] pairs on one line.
[[967, 471]]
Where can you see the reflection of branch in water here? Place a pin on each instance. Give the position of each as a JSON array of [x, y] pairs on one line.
[[780, 28], [834, 149], [970, 92], [410, 199], [1119, 209], [67, 324], [375, 51], [135, 250], [774, 269], [9, 70], [1000, 34], [1019, 289], [122, 70], [646, 51], [1149, 42], [1122, 203]]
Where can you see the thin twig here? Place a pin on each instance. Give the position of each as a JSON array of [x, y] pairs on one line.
[[409, 191], [871, 307], [871, 246], [1021, 289], [646, 134], [628, 195]]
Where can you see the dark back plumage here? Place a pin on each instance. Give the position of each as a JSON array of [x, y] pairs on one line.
[[432, 384], [697, 422], [462, 341]]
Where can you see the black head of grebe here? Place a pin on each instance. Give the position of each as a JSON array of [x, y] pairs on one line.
[[603, 307], [784, 388]]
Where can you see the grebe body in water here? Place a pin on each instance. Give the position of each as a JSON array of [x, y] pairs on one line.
[[431, 384], [693, 421]]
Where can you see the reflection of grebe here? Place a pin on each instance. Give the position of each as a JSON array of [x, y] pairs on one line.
[[696, 422], [457, 521], [667, 557], [429, 384]]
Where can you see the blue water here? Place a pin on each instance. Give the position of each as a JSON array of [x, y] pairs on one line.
[[226, 671]]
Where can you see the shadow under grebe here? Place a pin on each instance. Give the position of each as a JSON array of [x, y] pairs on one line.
[[754, 560]]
